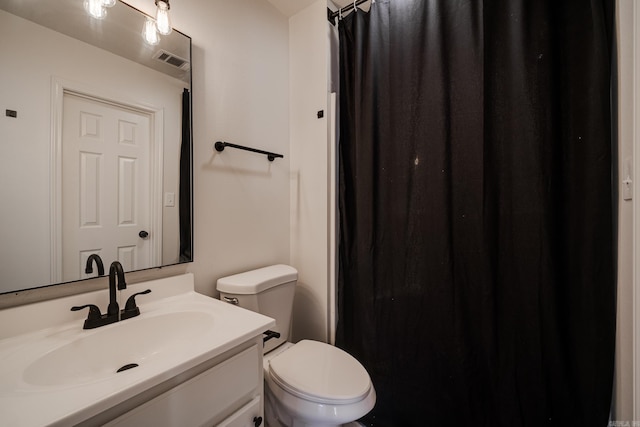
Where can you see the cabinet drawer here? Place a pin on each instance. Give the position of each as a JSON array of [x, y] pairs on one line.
[[203, 400], [245, 416]]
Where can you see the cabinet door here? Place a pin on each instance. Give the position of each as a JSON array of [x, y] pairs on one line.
[[205, 399]]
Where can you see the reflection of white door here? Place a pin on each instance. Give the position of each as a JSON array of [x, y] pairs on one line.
[[105, 177]]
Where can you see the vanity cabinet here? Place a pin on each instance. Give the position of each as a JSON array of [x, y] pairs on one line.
[[229, 394]]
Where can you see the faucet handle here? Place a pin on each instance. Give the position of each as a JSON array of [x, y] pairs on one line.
[[95, 319], [130, 307], [94, 311]]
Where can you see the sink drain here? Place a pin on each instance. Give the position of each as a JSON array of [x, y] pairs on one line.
[[127, 367]]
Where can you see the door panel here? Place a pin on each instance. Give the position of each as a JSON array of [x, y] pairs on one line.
[[106, 164]]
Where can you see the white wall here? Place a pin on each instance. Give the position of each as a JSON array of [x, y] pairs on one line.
[[240, 95], [623, 389], [38, 54], [310, 171]]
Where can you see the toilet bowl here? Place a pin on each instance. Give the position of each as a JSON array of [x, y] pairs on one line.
[[315, 384], [310, 383]]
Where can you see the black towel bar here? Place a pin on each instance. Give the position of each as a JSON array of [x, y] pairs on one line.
[[220, 145]]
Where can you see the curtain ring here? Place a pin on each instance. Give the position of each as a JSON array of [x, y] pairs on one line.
[[340, 14], [355, 7]]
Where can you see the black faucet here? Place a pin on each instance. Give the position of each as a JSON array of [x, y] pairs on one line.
[[116, 280], [89, 267], [96, 319], [115, 270]]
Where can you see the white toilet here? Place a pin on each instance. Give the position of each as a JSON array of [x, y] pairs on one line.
[[310, 383]]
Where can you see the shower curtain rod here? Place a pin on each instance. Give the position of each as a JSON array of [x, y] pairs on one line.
[[331, 15]]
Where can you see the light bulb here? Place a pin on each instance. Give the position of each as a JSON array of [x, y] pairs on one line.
[[163, 24], [108, 3], [95, 8], [149, 32]]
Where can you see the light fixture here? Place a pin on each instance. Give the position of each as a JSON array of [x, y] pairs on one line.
[[95, 8], [163, 24], [108, 3], [150, 33]]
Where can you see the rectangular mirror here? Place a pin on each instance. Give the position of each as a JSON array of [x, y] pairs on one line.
[[95, 148]]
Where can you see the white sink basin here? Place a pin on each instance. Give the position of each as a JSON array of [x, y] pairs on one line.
[[101, 352]]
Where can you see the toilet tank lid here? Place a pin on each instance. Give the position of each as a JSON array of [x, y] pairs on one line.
[[255, 281]]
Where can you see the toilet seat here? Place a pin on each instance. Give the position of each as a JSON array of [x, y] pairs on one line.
[[321, 373]]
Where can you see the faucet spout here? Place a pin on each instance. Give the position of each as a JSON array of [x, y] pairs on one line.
[[115, 272], [89, 267]]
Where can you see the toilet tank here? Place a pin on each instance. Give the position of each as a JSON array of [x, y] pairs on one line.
[[269, 291]]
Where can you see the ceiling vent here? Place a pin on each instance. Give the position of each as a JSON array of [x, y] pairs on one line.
[[171, 59]]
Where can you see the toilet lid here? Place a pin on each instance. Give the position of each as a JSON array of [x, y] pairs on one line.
[[320, 373]]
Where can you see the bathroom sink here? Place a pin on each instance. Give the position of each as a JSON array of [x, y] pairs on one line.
[[56, 373], [130, 344]]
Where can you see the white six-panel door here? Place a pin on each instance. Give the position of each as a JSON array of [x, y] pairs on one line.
[[105, 177]]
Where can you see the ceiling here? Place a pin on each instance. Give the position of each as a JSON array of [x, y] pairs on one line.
[[291, 7]]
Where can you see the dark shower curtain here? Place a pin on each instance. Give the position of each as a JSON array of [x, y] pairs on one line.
[[476, 273], [186, 186]]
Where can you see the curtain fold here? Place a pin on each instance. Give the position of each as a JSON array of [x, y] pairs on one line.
[[476, 272]]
